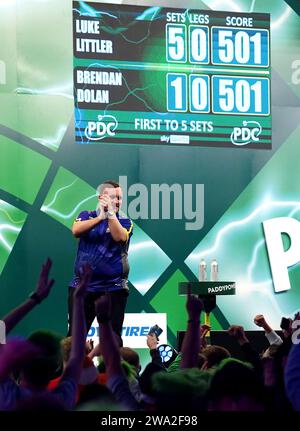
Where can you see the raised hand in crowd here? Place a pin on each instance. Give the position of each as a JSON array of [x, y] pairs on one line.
[[43, 288], [152, 341], [78, 346], [260, 321], [108, 342], [110, 351], [37, 359], [44, 285], [191, 341], [272, 337]]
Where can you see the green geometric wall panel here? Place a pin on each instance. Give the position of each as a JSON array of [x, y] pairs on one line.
[[22, 170], [147, 261], [37, 89], [67, 197], [44, 118], [11, 222]]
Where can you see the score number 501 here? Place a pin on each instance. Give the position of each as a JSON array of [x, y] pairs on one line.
[[230, 94], [229, 46]]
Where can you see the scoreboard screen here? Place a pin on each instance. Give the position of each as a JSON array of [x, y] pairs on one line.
[[163, 76]]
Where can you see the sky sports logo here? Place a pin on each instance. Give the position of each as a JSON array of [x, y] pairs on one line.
[[2, 332]]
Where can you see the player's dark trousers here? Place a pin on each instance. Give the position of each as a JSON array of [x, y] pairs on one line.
[[118, 305]]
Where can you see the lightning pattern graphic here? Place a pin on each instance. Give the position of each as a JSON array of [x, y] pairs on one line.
[[255, 281], [11, 222], [80, 121], [149, 15]]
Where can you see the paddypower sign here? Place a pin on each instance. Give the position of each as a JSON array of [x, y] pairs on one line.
[[206, 288]]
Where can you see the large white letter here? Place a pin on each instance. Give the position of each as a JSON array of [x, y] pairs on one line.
[[138, 207], [281, 260]]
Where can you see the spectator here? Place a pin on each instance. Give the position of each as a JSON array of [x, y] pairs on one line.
[[250, 354], [116, 379], [185, 389], [213, 355], [273, 338], [23, 355], [236, 387]]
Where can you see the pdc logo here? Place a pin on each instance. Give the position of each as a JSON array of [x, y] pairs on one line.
[[105, 126], [249, 132]]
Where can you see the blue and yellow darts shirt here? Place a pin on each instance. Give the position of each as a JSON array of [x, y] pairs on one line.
[[108, 258]]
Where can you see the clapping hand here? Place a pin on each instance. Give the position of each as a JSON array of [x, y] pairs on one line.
[[106, 202]]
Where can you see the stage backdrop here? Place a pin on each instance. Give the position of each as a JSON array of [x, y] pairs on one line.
[[46, 179]]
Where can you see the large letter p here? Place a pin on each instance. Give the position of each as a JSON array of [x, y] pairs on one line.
[[280, 260]]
